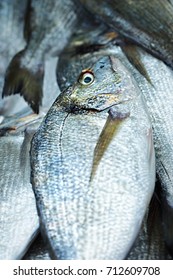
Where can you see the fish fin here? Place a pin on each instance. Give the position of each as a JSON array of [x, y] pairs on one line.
[[132, 54], [25, 148], [111, 127], [22, 80]]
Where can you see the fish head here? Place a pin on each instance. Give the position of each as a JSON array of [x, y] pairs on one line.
[[102, 86]]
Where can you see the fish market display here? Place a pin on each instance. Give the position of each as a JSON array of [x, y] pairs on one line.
[[146, 23], [92, 160], [48, 26], [89, 167]]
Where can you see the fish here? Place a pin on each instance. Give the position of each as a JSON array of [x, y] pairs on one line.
[[48, 27], [158, 97], [19, 222], [155, 82], [82, 50], [88, 204], [150, 244], [148, 24], [12, 24]]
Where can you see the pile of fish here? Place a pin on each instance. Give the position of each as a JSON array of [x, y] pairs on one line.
[[92, 172]]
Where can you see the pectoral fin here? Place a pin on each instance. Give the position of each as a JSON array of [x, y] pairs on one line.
[[110, 128]]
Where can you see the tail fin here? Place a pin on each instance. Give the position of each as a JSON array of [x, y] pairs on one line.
[[28, 83]]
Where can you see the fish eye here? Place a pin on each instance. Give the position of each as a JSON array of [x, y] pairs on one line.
[[86, 78]]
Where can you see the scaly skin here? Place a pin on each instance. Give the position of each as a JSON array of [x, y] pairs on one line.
[[160, 103], [19, 221], [86, 214]]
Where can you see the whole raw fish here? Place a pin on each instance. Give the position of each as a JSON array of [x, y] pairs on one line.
[[48, 26], [158, 96], [146, 23], [156, 86], [93, 167], [19, 223], [150, 242]]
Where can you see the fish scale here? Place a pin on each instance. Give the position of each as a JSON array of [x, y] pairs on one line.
[[99, 216], [160, 103], [18, 219]]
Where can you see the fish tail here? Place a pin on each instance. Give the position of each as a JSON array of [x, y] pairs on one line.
[[19, 78]]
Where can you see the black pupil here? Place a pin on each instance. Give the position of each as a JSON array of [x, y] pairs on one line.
[[87, 80]]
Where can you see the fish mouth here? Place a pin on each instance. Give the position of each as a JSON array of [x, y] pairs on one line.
[[98, 102]]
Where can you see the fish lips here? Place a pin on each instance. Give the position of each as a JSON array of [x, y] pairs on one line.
[[96, 102]]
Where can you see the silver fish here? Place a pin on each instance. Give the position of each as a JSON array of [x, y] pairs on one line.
[[19, 223], [18, 220], [158, 96], [87, 189], [150, 244]]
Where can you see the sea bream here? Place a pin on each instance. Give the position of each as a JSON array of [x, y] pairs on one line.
[[93, 165], [19, 223], [156, 82], [158, 96]]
